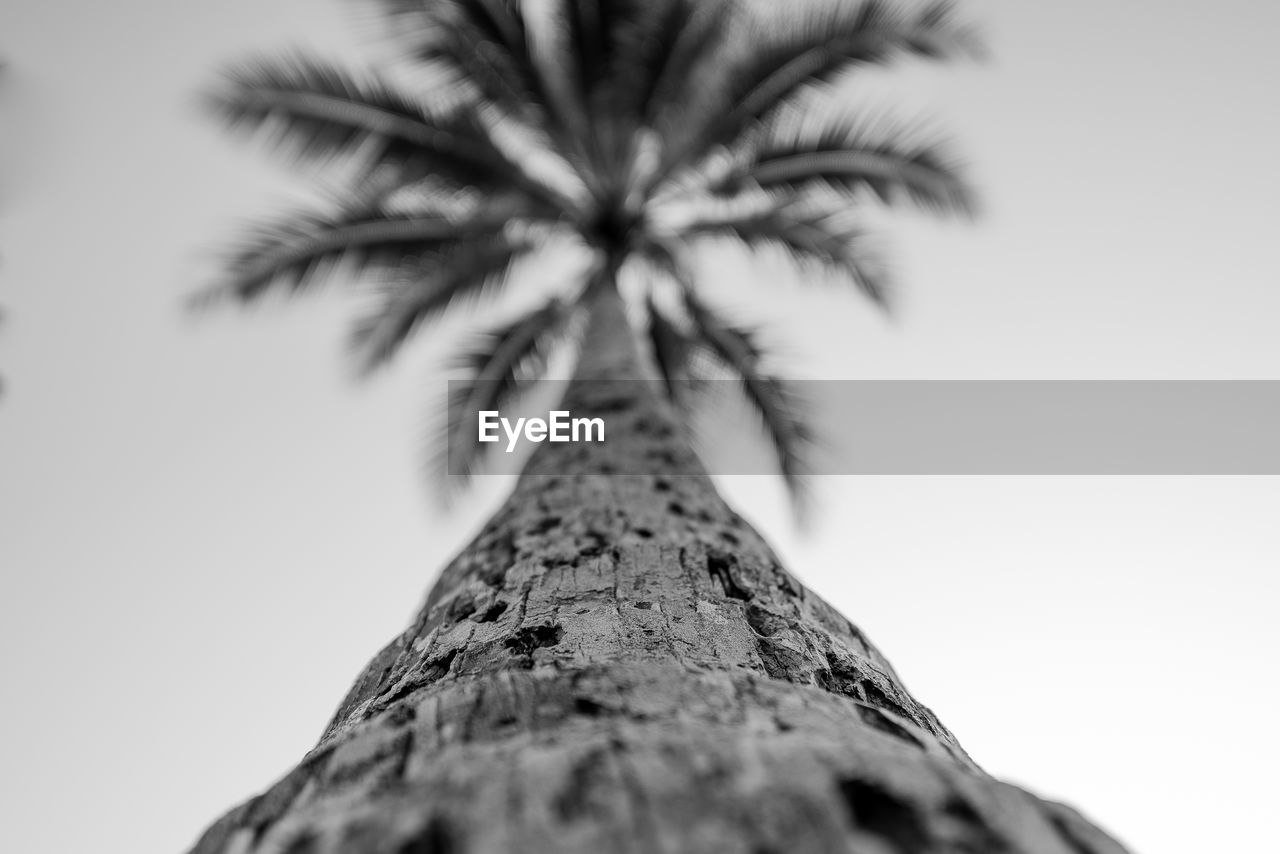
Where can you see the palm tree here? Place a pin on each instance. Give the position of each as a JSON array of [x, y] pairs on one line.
[[615, 663]]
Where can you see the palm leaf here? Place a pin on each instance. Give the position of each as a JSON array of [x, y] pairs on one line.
[[626, 54], [427, 289], [781, 413], [487, 47], [484, 42], [784, 56], [655, 46], [671, 349], [830, 240], [314, 110], [594, 32], [678, 35], [563, 50], [298, 250], [502, 365], [850, 154]]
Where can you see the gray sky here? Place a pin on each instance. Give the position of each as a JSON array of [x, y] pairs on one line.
[[208, 528]]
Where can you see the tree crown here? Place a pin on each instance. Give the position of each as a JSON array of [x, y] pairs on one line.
[[633, 130]]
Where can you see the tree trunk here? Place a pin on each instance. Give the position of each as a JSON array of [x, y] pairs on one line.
[[618, 663]]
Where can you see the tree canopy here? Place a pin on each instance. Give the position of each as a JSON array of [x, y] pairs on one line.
[[634, 131]]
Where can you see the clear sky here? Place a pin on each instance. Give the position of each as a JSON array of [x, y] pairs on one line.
[[206, 528]]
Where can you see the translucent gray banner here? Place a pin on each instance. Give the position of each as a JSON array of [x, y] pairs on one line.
[[952, 427]]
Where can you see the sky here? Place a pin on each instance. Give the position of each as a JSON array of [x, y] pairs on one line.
[[207, 526]]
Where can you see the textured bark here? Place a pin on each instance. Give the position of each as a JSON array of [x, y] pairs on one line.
[[619, 663]]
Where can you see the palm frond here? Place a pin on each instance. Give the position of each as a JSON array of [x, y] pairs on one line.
[[671, 349], [798, 155], [599, 40], [677, 36], [781, 411], [488, 47], [833, 241], [298, 250], [625, 55], [503, 363], [484, 41], [425, 289], [562, 48], [786, 55], [655, 46], [314, 110]]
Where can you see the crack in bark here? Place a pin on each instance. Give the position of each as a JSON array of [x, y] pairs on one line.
[[876, 719], [433, 671], [525, 641], [435, 838], [493, 612], [305, 842], [972, 833], [589, 708], [720, 565], [884, 814], [461, 606], [545, 525], [845, 676]]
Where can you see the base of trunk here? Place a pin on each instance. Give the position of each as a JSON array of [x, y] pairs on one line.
[[644, 758]]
